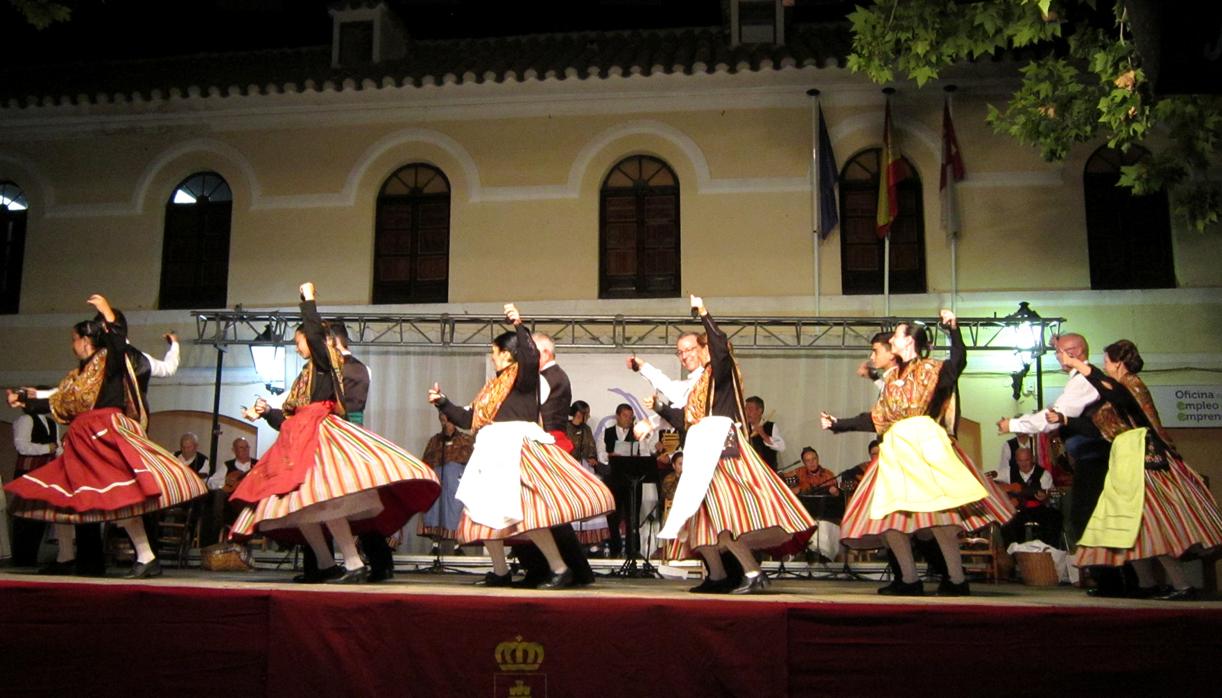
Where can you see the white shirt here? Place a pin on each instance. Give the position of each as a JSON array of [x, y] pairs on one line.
[[778, 441], [643, 448], [1003, 476], [167, 366], [217, 481], [1078, 395], [675, 391], [23, 432]]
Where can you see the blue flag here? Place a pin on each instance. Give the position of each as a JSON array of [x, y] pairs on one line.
[[829, 174]]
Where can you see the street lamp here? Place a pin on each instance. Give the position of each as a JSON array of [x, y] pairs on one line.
[[1027, 338], [269, 360]]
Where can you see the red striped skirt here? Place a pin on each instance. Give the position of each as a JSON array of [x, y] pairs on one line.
[[749, 500], [555, 490], [1179, 515], [860, 531], [345, 471], [109, 471]]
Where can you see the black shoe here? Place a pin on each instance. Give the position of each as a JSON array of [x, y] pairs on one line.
[[359, 575], [751, 584], [713, 586], [458, 551], [528, 582], [144, 570], [949, 588], [902, 588], [492, 579], [381, 574], [1188, 594], [58, 569], [559, 580], [1105, 593], [1146, 592], [322, 576], [436, 551]]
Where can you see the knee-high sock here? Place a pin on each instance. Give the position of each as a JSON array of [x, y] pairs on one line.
[[948, 542], [140, 540], [901, 547], [546, 544], [1175, 573], [712, 559], [496, 551], [66, 535], [341, 533], [318, 543], [740, 552], [1145, 572]]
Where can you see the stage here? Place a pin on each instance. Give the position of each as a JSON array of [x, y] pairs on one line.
[[256, 634]]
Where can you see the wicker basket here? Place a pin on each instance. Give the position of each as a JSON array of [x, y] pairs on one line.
[[1037, 569], [225, 557]]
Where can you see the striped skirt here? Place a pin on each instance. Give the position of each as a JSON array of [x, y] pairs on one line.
[[861, 531], [555, 490], [1179, 515], [349, 473], [109, 471], [749, 500]]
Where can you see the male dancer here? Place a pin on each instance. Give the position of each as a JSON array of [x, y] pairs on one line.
[[555, 397]]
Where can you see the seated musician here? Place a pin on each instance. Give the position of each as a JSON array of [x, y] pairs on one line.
[[218, 511], [819, 489], [849, 479], [1028, 487]]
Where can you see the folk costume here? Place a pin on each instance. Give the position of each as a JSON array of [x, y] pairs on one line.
[[726, 486], [518, 480], [323, 468], [1152, 505], [448, 455], [921, 480]]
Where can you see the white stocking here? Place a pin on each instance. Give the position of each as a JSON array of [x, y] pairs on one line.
[[140, 540], [66, 535], [740, 551], [342, 533], [318, 543], [712, 558], [546, 544], [948, 541], [1175, 573], [496, 551], [901, 547]]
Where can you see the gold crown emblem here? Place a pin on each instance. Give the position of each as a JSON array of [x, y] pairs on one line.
[[519, 690], [515, 655]]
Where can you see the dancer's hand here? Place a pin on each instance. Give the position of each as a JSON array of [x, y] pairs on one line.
[[14, 400], [827, 420], [435, 394], [307, 291], [1003, 425], [642, 429], [99, 301], [633, 363], [648, 402], [261, 407], [512, 314], [1077, 364], [864, 369], [948, 318], [697, 304], [170, 337], [1053, 416]]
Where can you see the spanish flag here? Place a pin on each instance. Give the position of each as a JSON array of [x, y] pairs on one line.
[[893, 171]]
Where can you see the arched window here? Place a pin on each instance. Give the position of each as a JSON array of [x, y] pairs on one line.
[[638, 231], [195, 253], [861, 250], [1129, 237], [411, 258], [13, 209]]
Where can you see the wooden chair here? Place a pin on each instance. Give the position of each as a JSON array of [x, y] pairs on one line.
[[982, 553], [176, 532]]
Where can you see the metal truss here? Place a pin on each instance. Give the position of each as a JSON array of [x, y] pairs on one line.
[[609, 332]]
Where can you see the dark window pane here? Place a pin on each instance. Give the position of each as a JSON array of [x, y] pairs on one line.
[[195, 247], [639, 230], [861, 250], [412, 237]]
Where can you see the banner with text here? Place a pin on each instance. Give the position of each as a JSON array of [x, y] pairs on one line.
[[1188, 405]]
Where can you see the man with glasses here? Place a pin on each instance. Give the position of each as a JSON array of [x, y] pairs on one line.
[[687, 348]]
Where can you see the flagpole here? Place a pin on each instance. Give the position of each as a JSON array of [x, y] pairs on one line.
[[814, 193], [887, 91], [954, 235]]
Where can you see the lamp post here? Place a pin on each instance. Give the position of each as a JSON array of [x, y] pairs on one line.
[[268, 358], [1028, 340]]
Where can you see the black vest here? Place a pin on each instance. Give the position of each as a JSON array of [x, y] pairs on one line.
[[555, 411], [43, 432], [1030, 487], [610, 437], [757, 442]]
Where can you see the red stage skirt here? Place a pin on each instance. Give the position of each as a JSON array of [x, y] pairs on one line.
[[322, 467], [109, 471]]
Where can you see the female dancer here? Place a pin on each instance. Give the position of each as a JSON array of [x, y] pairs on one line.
[[326, 471], [920, 479], [728, 498], [518, 481], [1162, 514], [109, 470]]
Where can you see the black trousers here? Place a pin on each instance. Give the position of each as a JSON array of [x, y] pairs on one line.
[[622, 490], [571, 550], [377, 553], [27, 539]]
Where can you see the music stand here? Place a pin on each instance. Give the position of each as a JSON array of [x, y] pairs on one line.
[[828, 507], [637, 470]]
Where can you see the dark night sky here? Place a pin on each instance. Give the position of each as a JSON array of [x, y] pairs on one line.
[[123, 29]]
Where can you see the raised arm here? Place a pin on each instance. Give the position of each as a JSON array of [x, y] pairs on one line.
[[311, 324], [954, 364]]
